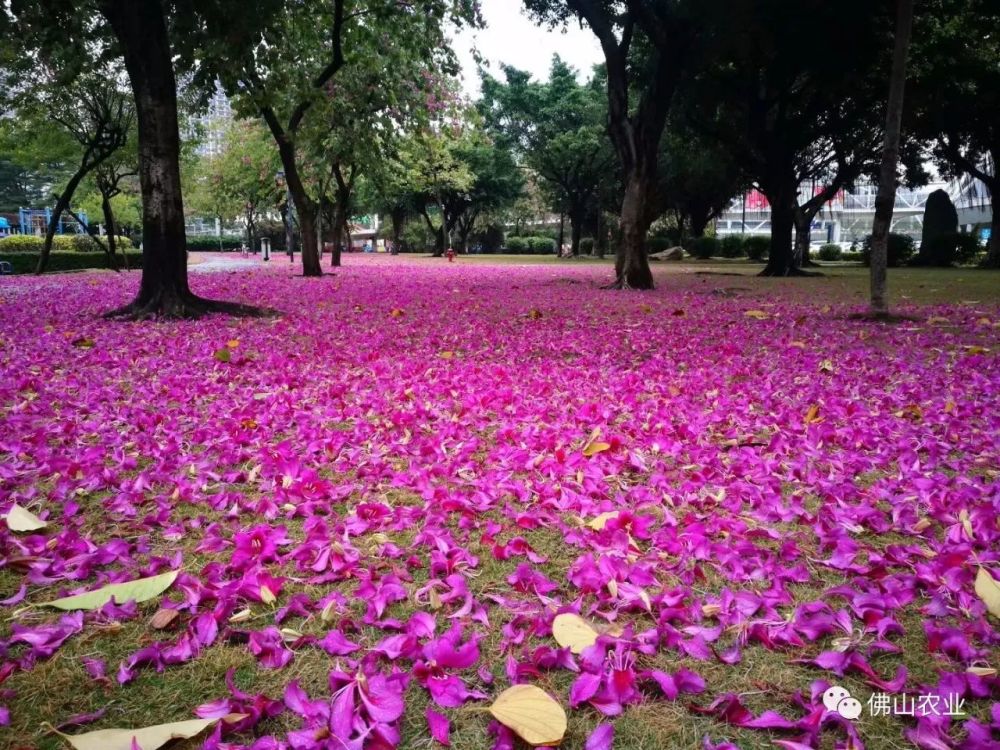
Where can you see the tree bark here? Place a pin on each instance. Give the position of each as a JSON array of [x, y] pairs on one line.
[[992, 259], [631, 261], [885, 199], [141, 30], [803, 233], [562, 234], [575, 232], [779, 257], [62, 203]]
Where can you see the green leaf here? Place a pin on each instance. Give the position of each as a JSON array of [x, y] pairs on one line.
[[223, 355], [140, 590]]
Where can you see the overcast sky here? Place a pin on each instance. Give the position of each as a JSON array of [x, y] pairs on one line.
[[511, 37]]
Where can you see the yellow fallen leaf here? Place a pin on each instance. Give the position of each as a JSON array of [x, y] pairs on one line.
[[396, 312], [938, 320], [826, 365], [534, 314], [601, 521], [148, 738], [531, 713], [982, 671], [446, 355], [574, 632], [812, 416], [798, 344], [594, 448], [988, 589], [757, 314], [140, 590], [19, 519], [232, 343], [83, 343], [977, 350], [949, 407], [963, 517]]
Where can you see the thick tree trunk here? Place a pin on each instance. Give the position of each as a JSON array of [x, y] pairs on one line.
[[631, 261], [699, 222], [562, 234], [141, 30], [779, 259], [310, 251], [885, 199], [575, 232]]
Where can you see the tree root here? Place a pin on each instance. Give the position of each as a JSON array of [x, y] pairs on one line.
[[187, 307]]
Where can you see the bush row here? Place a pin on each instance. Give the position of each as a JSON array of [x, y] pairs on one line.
[[530, 245], [212, 242], [31, 243], [63, 260], [750, 246]]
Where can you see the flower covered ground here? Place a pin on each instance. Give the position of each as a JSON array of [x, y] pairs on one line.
[[379, 502]]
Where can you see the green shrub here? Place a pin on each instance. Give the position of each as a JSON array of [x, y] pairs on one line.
[[65, 260], [901, 248], [732, 246], [209, 242], [63, 243], [952, 248], [830, 252], [541, 245], [587, 246], [756, 246], [852, 257], [517, 244], [703, 247]]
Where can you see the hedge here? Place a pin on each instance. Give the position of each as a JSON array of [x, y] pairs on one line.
[[32, 243], [61, 260], [703, 247], [732, 246], [900, 248], [830, 251], [212, 242], [530, 245], [756, 246]]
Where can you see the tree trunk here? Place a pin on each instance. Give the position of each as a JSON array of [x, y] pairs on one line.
[[109, 224], [885, 199], [992, 259], [631, 262], [141, 30], [397, 217], [62, 203], [562, 234], [699, 222], [803, 232], [779, 258], [575, 232]]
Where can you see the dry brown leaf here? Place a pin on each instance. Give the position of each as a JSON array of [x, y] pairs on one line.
[[148, 738], [757, 314], [988, 589], [574, 632], [812, 416], [963, 518], [163, 618], [531, 713], [982, 671], [20, 519]]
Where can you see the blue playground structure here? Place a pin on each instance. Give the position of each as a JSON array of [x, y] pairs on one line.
[[36, 221], [4, 227]]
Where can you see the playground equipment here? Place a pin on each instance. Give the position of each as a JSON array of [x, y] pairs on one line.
[[36, 221]]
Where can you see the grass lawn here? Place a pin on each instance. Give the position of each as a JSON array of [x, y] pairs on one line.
[[754, 494]]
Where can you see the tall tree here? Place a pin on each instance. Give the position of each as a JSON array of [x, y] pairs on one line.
[[557, 129], [288, 60], [790, 107], [645, 45], [956, 94], [885, 200]]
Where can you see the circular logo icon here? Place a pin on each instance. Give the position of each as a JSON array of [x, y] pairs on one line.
[[849, 708], [833, 696]]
